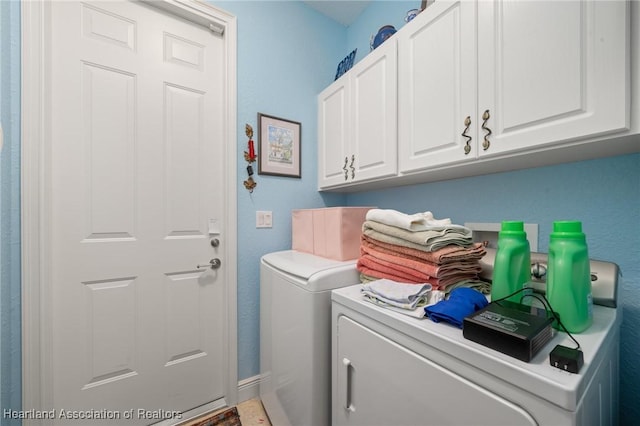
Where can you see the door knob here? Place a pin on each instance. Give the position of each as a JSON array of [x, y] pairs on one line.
[[215, 242], [213, 264]]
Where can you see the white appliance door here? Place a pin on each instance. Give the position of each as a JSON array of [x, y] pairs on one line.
[[420, 391]]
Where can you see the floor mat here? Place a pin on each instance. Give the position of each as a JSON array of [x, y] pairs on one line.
[[228, 417]]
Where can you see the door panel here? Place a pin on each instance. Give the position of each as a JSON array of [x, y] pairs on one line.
[[374, 114], [136, 177], [561, 85], [420, 391], [583, 93], [113, 341], [437, 87], [108, 125], [183, 117], [333, 134]]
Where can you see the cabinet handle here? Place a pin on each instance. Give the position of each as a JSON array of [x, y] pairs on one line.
[[347, 395], [353, 169], [485, 118], [467, 145], [346, 172]]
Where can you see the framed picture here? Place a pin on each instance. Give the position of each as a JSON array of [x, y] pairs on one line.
[[279, 146]]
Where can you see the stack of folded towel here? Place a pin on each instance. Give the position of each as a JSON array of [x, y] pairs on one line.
[[419, 249]]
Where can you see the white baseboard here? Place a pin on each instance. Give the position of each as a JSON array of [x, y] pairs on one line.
[[249, 388]]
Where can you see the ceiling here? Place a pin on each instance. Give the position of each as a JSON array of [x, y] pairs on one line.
[[344, 12]]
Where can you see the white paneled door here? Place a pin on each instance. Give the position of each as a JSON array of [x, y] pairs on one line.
[[136, 197]]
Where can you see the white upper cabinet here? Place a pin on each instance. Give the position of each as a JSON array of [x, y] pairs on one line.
[[551, 72], [357, 121], [333, 134], [494, 77], [477, 87], [437, 86]]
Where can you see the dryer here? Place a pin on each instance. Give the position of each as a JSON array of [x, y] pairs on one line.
[[295, 335], [390, 368]]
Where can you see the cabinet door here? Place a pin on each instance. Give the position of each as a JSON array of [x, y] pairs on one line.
[[383, 383], [437, 86], [551, 71], [333, 134], [373, 118]]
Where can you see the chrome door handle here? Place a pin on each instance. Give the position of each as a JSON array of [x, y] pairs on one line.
[[215, 242], [213, 264], [346, 363]]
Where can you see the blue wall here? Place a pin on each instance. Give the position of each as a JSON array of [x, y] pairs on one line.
[[10, 341], [378, 14], [287, 53]]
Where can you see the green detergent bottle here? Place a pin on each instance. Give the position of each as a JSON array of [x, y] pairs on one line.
[[512, 266], [569, 276]]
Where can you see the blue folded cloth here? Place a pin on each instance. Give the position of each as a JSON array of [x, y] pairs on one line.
[[462, 301]]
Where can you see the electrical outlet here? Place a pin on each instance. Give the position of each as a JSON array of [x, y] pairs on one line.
[[488, 233]]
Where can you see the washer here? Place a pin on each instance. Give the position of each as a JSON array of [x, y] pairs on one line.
[[295, 335]]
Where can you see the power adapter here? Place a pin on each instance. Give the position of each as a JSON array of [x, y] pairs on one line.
[[566, 359]]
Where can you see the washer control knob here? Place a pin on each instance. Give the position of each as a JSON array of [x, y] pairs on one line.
[[539, 271]]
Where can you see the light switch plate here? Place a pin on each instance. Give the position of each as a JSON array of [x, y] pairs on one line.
[[264, 219]]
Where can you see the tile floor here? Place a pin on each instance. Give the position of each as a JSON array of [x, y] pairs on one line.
[[252, 413]]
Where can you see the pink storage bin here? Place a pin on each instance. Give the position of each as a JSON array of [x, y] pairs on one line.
[[332, 232]]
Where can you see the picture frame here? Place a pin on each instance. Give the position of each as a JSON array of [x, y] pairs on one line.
[[279, 146]]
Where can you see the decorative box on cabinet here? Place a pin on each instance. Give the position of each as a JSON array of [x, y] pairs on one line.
[[431, 375], [357, 121], [545, 73]]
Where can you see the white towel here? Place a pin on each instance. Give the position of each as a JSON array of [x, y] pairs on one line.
[[415, 313], [401, 295], [435, 296], [418, 312], [414, 222]]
